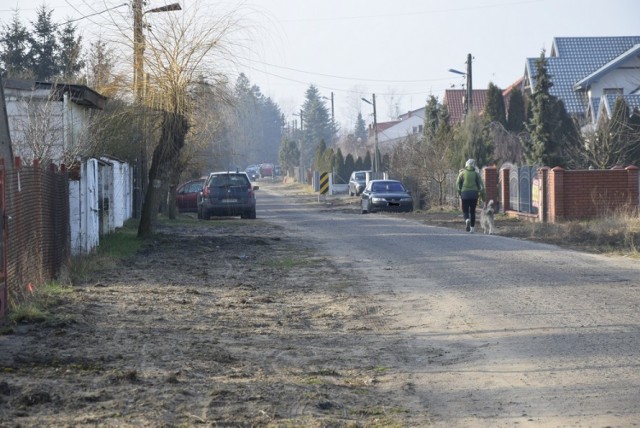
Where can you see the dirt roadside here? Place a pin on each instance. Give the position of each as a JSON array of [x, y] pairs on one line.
[[219, 323]]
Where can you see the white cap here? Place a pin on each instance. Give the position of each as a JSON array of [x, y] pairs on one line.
[[471, 163]]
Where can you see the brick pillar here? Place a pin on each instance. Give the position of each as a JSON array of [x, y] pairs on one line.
[[543, 209], [490, 178], [556, 194], [504, 202], [633, 184]]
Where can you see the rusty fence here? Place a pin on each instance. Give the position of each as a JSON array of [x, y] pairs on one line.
[[36, 213]]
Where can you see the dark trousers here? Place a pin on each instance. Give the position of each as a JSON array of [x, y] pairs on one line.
[[469, 210]]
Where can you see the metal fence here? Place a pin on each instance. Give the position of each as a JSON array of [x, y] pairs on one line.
[[521, 179], [37, 217]]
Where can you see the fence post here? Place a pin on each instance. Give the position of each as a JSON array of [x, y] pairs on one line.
[[633, 184], [543, 209], [556, 194], [491, 182]]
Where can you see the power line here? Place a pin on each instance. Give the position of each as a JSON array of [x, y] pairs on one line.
[[346, 78], [347, 91]]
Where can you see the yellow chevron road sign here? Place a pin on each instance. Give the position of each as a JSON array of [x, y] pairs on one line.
[[324, 183]]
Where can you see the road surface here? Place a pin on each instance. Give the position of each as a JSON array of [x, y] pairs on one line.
[[487, 330]]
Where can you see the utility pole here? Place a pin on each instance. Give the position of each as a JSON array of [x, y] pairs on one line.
[[138, 52], [469, 100], [139, 92], [138, 88], [376, 160], [333, 117]]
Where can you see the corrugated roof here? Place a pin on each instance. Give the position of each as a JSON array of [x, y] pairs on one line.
[[572, 59]]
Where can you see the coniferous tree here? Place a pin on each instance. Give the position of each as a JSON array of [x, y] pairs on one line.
[[289, 156], [342, 175], [14, 49], [516, 117], [553, 135], [361, 129], [317, 123], [44, 46], [69, 60], [431, 120], [494, 110], [367, 162], [349, 166], [100, 72]]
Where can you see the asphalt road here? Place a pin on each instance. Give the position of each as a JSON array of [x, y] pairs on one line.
[[497, 331]]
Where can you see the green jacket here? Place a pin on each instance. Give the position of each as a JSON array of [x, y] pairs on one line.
[[469, 184]]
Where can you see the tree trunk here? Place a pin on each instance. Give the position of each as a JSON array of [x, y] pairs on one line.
[[165, 155]]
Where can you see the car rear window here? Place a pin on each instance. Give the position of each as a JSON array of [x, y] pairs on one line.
[[228, 180], [360, 176]]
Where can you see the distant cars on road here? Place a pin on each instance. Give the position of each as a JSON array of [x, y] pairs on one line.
[[357, 182], [187, 195], [227, 194], [385, 195]]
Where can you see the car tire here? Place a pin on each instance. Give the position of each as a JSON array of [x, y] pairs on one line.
[[206, 215], [252, 214]]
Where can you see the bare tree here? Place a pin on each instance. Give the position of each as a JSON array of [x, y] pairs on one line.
[[181, 50]]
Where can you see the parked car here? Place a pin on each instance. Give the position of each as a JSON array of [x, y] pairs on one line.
[[227, 194], [187, 195], [357, 182], [385, 195], [253, 171]]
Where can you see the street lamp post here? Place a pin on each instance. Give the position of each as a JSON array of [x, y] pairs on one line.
[[333, 117], [376, 161], [139, 85], [468, 102], [302, 157]]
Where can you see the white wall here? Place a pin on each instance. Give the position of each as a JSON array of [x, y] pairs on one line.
[[83, 209]]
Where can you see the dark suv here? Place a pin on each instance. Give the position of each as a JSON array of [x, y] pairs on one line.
[[227, 194]]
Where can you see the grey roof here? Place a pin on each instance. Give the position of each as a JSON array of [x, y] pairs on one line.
[[611, 65], [573, 59]]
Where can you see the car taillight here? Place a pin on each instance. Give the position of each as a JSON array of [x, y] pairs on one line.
[[205, 191]]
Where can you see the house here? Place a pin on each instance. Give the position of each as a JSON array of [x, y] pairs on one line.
[[589, 73], [454, 100], [49, 121]]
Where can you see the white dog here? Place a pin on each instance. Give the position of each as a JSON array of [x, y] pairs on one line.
[[487, 218]]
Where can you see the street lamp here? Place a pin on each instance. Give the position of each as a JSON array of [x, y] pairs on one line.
[[138, 86], [139, 43], [376, 161], [468, 101]]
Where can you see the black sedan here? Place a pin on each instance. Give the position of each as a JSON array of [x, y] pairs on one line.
[[385, 195]]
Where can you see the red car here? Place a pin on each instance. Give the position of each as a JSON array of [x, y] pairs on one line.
[[187, 195]]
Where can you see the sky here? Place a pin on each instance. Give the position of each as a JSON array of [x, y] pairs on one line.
[[399, 50]]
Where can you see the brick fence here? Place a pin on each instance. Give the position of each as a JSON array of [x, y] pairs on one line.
[[572, 194]]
